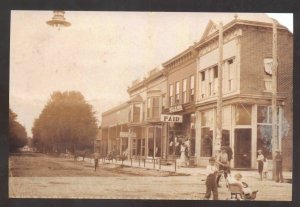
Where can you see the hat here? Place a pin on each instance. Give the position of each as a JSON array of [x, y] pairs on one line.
[[259, 150], [212, 159], [277, 150]]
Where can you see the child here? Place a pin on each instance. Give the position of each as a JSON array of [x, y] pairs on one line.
[[260, 161], [237, 179], [211, 182], [265, 168]]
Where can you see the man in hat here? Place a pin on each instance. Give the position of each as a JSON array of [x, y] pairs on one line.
[[278, 166], [211, 184]]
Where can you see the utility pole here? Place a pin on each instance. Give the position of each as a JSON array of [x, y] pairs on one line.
[[274, 95], [220, 92]]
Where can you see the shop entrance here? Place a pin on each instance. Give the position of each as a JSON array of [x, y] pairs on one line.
[[242, 148]]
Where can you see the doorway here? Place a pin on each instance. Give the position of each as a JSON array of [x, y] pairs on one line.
[[242, 148]]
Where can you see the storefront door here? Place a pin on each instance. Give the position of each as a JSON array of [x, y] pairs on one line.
[[242, 148]]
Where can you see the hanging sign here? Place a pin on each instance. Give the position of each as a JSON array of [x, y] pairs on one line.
[[173, 109], [171, 118], [268, 63]]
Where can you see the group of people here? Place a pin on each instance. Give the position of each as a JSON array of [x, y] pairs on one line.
[[263, 166], [218, 166]]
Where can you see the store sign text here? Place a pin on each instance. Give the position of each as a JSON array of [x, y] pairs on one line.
[[171, 118]]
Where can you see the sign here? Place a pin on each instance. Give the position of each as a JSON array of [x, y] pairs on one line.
[[173, 109], [126, 135], [171, 118], [268, 63]]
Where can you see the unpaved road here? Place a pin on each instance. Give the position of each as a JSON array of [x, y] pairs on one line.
[[42, 176]]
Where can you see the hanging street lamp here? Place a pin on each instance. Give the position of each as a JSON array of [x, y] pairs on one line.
[[58, 20]]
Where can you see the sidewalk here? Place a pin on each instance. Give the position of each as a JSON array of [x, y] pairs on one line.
[[193, 171]]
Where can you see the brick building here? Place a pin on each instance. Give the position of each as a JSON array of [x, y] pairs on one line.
[[246, 122]]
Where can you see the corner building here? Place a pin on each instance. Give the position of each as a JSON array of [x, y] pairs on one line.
[[247, 92]]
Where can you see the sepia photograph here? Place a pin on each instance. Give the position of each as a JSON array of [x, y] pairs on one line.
[[151, 105]]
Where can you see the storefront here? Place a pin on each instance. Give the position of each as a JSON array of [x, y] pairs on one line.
[[181, 132], [246, 129]]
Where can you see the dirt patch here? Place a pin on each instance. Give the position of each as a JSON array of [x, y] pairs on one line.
[[41, 165]]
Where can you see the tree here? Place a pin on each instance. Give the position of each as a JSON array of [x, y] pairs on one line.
[[17, 133], [66, 122]]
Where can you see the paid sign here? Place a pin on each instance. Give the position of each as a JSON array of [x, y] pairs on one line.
[[171, 118]]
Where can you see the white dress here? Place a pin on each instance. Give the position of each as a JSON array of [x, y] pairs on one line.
[[183, 160]]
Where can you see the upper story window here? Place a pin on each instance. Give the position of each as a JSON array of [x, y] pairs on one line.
[[231, 75], [202, 84], [171, 96], [208, 80], [163, 101], [136, 112], [184, 89], [153, 107], [192, 88], [177, 89]]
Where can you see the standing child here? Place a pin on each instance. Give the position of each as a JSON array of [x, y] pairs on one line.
[[278, 166], [265, 168], [211, 180], [260, 161]]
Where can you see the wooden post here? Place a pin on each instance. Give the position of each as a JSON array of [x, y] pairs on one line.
[[274, 96], [159, 163], [175, 165], [144, 162], [220, 92]]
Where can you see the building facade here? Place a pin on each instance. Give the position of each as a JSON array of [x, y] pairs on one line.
[[147, 101], [181, 81], [188, 86], [247, 92], [114, 130]]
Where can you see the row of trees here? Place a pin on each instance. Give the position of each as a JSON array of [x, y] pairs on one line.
[[67, 122], [17, 133]]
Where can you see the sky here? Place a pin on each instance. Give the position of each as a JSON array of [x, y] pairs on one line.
[[100, 54]]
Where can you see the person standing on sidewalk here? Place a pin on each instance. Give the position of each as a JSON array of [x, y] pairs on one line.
[[96, 159], [260, 160], [211, 184], [223, 163], [278, 168]]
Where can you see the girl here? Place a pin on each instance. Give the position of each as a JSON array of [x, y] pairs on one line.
[[260, 160]]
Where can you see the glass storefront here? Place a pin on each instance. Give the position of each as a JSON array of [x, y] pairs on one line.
[[182, 132], [206, 149], [264, 129]]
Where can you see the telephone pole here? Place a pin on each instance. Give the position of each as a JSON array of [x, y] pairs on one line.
[[220, 92], [274, 95]]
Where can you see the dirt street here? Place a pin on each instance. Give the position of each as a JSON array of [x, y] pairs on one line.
[[42, 176]]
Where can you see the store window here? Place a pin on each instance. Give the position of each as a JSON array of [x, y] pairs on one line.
[[206, 133], [154, 141], [184, 89], [177, 87], [243, 114], [171, 97], [264, 130]]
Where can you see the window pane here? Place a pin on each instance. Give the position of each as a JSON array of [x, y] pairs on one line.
[[264, 140], [243, 114], [150, 141], [262, 114], [136, 112], [206, 142]]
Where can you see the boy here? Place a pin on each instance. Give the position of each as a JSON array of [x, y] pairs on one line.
[[211, 182]]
